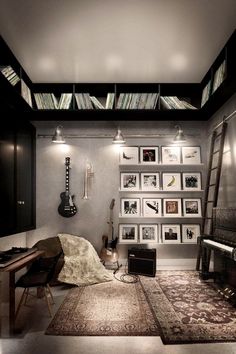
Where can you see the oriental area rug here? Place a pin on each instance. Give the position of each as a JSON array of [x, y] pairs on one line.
[[106, 309], [189, 310]]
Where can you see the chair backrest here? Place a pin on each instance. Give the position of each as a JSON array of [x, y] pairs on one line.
[[46, 265]]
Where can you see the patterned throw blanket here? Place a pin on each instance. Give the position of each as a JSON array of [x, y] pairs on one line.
[[82, 264]]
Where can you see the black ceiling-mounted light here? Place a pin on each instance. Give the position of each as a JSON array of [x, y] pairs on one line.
[[58, 137], [179, 137], [118, 138]]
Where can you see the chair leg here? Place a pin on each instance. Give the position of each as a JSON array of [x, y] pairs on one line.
[[47, 301], [49, 290], [20, 303]]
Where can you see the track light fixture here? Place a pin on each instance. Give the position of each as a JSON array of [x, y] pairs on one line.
[[58, 137], [179, 138], [118, 138]]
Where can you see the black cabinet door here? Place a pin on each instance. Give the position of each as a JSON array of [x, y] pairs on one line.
[[7, 182], [25, 178]]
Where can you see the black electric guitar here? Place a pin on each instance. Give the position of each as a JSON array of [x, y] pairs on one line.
[[67, 207], [109, 252]]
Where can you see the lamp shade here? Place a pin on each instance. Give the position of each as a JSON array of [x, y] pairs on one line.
[[58, 137], [179, 138], [118, 138]]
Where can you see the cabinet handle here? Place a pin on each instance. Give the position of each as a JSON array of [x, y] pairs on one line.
[[20, 202]]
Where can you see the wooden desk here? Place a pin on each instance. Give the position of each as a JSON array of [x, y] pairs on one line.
[[12, 269]]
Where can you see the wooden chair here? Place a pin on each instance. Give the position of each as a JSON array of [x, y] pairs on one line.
[[38, 276]]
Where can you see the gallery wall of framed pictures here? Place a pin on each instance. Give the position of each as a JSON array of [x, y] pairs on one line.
[[150, 184]]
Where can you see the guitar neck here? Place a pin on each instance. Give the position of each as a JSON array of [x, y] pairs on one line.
[[67, 179]]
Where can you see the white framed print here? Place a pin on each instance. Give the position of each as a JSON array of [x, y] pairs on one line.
[[128, 155], [192, 207], [128, 233], [152, 207], [129, 181], [190, 233], [150, 181], [170, 233], [191, 155], [172, 207], [191, 181], [130, 207], [148, 233], [148, 155], [170, 155], [171, 181]]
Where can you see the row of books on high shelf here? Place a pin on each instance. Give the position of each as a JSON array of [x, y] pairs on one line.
[[213, 85], [10, 74]]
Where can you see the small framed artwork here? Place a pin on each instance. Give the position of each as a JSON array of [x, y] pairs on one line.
[[148, 155], [191, 155], [171, 181], [148, 233], [150, 181], [129, 181], [170, 155], [130, 207], [128, 233], [172, 207], [170, 233], [152, 207], [191, 181], [190, 233], [192, 208], [129, 155]]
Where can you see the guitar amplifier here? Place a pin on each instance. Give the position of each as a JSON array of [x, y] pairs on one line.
[[142, 261]]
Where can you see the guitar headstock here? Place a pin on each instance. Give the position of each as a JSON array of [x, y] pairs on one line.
[[112, 204], [67, 161]]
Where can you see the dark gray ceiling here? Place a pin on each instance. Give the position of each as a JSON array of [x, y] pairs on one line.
[[117, 40]]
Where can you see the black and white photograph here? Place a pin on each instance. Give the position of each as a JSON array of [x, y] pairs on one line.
[[191, 181], [190, 233], [150, 181], [128, 233], [148, 233], [191, 155], [130, 207], [172, 207], [129, 181], [149, 155], [170, 233], [152, 207], [192, 207], [170, 155], [171, 181], [129, 155]]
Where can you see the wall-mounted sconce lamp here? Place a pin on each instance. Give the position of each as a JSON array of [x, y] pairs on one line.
[[179, 138], [88, 175], [58, 137], [118, 138]]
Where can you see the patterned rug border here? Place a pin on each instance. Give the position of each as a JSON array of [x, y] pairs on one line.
[[150, 318], [190, 333]]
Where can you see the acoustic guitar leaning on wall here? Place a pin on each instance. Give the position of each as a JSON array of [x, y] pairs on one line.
[[109, 252]]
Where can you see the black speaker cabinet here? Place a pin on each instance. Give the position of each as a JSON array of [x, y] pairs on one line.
[[142, 261]]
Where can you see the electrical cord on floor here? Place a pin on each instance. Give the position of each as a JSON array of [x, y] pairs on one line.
[[123, 277]]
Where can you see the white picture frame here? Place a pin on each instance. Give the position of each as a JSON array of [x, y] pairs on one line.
[[128, 155], [191, 181], [150, 181], [129, 181], [128, 233], [172, 207], [148, 233], [170, 155], [170, 233], [192, 207], [148, 155], [130, 207], [152, 207], [171, 181], [191, 155], [190, 233]]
